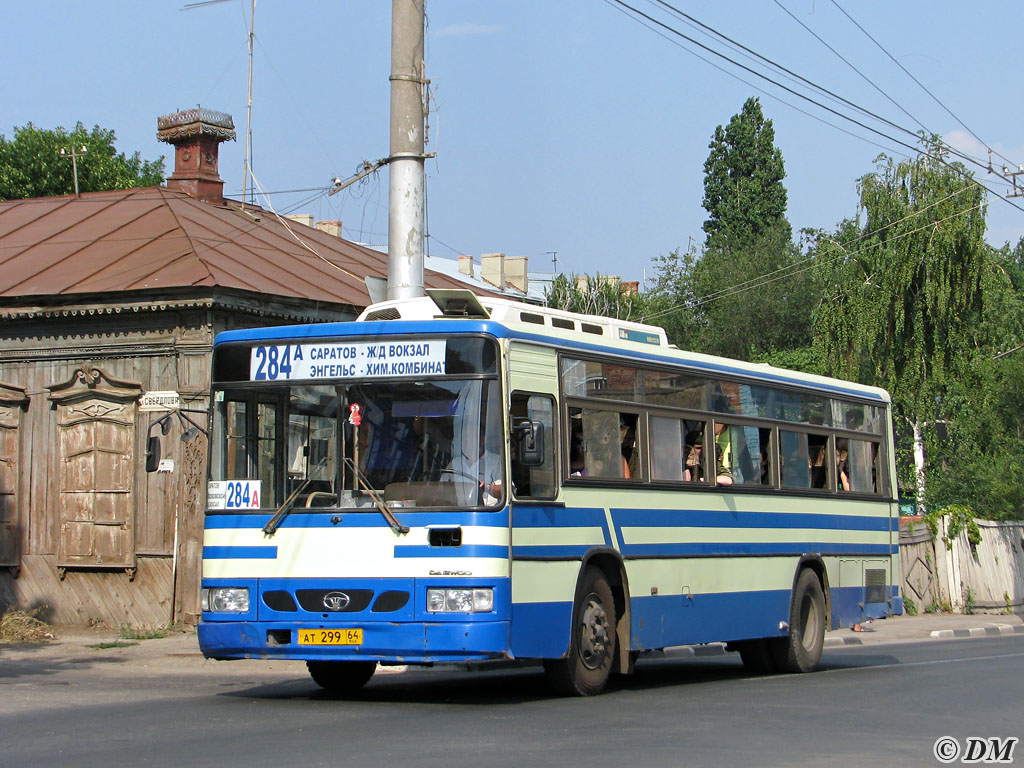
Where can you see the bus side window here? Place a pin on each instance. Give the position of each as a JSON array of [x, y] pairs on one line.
[[817, 446], [860, 466], [796, 465], [667, 438], [535, 482]]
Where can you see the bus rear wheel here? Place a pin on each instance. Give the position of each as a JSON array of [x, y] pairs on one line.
[[585, 671], [800, 651], [341, 677]]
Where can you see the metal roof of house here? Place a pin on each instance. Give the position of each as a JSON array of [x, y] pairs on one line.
[[153, 238]]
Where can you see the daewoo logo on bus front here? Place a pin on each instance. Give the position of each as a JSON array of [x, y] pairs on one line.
[[336, 601]]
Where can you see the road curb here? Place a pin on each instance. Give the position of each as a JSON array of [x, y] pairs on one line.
[[998, 629], [833, 642]]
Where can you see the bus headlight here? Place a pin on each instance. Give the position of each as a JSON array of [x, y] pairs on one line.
[[226, 599], [478, 600]]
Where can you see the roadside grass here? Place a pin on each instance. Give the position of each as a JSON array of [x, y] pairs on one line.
[[130, 636], [113, 644], [24, 627], [128, 632]]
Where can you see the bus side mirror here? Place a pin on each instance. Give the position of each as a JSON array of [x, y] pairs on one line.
[[153, 441], [530, 443], [152, 453]]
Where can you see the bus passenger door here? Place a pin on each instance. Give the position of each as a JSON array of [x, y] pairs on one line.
[[543, 582], [532, 420]]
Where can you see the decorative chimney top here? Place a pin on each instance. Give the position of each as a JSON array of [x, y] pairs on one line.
[[196, 135]]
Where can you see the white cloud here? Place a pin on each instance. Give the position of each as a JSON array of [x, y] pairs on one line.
[[964, 142]]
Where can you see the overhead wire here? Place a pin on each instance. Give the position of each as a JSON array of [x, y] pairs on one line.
[[641, 16], [811, 261], [918, 82], [851, 65], [912, 148]]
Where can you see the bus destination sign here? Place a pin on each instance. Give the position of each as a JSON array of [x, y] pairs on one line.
[[347, 360]]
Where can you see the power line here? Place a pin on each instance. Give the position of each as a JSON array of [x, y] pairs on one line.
[[851, 66], [784, 87], [919, 83], [810, 262], [914, 150]]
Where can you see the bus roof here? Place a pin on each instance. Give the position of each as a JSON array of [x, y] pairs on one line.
[[461, 311]]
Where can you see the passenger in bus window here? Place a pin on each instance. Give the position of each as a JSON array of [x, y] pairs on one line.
[[723, 454], [693, 470], [723, 471], [842, 479], [627, 439], [577, 465], [819, 473]]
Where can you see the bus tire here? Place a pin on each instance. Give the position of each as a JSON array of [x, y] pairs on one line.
[[800, 651], [341, 677], [585, 670], [757, 656]]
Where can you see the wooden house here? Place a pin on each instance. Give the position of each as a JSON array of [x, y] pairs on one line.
[[109, 303]]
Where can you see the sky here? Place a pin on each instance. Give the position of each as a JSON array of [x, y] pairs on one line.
[[564, 129]]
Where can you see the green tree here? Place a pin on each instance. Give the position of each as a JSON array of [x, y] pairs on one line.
[[747, 293], [743, 191], [975, 456], [902, 296], [31, 164]]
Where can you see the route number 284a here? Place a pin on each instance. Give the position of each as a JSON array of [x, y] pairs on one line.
[[274, 362]]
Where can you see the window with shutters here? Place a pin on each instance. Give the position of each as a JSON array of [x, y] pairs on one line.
[[13, 401], [96, 425]]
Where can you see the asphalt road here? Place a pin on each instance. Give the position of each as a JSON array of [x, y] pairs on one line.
[[883, 705]]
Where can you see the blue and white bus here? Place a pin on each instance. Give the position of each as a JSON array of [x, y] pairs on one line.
[[455, 478]]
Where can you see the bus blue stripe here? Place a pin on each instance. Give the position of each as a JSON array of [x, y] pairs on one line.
[[558, 517], [703, 518], [562, 517], [563, 551], [466, 550], [239, 553], [698, 549], [755, 548]]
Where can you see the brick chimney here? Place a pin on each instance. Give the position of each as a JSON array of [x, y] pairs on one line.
[[196, 135]]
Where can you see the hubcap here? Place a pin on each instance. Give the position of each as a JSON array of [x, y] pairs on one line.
[[809, 622], [594, 638]]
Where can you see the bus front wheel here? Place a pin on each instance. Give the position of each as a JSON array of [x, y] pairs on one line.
[[800, 651], [341, 677], [585, 670]]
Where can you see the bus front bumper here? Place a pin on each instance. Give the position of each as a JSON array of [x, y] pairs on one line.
[[399, 643]]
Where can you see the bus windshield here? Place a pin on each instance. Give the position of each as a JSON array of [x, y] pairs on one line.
[[409, 444]]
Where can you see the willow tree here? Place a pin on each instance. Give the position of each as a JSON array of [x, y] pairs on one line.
[[902, 292]]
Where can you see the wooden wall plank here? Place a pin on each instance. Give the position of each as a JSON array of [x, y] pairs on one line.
[[86, 597]]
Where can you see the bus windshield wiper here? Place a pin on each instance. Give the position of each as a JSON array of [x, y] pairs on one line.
[[378, 502], [286, 506]]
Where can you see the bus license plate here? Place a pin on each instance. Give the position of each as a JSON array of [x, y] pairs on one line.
[[330, 637]]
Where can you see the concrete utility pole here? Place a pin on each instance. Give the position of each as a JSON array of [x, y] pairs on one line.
[[406, 218]]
